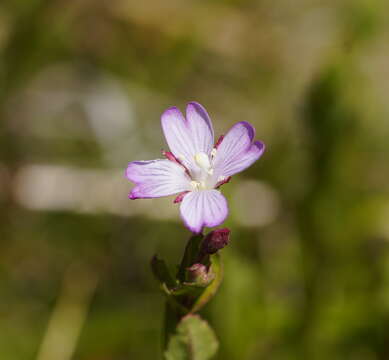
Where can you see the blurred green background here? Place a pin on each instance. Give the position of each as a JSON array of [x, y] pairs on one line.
[[82, 86]]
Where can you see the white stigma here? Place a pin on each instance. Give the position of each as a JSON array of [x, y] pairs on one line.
[[202, 160]]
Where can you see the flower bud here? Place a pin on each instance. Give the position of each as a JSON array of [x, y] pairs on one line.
[[199, 275], [215, 240]]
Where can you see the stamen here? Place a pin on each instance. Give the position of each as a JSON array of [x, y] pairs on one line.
[[195, 184]]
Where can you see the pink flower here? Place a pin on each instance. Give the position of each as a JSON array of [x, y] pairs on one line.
[[195, 168]]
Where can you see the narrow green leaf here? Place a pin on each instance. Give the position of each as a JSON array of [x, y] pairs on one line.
[[161, 272], [194, 340]]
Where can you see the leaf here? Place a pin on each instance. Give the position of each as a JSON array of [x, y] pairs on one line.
[[161, 272], [194, 340], [210, 290]]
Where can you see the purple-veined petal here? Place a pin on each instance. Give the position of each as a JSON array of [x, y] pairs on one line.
[[237, 151], [188, 136], [156, 178], [203, 208], [200, 126]]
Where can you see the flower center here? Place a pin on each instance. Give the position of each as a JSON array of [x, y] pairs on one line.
[[202, 161], [202, 178]]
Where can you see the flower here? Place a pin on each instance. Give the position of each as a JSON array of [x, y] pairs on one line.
[[195, 167]]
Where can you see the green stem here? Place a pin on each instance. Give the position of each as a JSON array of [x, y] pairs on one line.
[[171, 319], [190, 255]]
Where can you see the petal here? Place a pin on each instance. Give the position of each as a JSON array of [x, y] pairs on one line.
[[237, 151], [187, 137], [203, 208], [156, 178], [201, 127]]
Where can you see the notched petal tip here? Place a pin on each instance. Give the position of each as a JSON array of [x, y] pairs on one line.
[[250, 128], [260, 146], [195, 103], [196, 111], [136, 193], [195, 106], [238, 150], [171, 114], [173, 110], [132, 196]]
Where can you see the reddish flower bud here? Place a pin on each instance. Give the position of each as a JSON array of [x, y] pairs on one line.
[[215, 240]]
